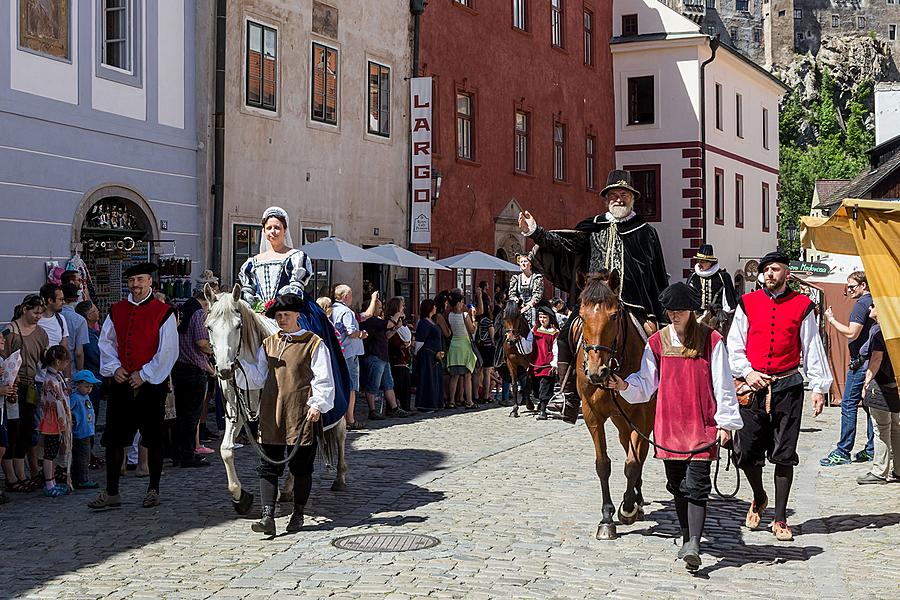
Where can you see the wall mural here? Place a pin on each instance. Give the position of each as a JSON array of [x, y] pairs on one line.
[[44, 26]]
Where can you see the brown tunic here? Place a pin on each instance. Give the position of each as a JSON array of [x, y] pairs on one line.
[[287, 389]]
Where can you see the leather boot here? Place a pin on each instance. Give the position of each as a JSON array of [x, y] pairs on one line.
[[569, 388], [266, 523], [296, 522], [542, 411]]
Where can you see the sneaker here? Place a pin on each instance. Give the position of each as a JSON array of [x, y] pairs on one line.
[[835, 459], [397, 413], [376, 416], [870, 478], [863, 456], [203, 450], [55, 492], [104, 500]]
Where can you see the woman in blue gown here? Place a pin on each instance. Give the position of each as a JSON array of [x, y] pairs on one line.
[[429, 377], [278, 269]]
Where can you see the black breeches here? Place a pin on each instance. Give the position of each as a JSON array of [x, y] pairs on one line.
[[301, 467], [688, 479]]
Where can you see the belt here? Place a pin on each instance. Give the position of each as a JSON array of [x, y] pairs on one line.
[[890, 386], [772, 379]]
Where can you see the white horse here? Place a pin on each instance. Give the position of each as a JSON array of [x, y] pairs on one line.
[[235, 331]]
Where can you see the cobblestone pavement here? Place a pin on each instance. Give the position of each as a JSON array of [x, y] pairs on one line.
[[515, 504]]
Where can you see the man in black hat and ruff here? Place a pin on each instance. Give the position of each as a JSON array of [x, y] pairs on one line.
[[138, 348], [618, 240], [712, 283], [774, 334]]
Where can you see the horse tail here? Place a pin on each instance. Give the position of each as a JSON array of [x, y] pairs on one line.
[[329, 441]]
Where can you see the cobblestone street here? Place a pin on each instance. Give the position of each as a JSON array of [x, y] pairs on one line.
[[515, 504]]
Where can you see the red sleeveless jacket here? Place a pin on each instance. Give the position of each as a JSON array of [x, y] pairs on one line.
[[137, 331], [773, 332]]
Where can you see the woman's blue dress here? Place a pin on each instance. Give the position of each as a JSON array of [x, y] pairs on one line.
[[429, 381], [262, 281]]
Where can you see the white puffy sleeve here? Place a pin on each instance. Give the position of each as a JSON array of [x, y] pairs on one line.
[[257, 371], [322, 384], [728, 415], [642, 383]]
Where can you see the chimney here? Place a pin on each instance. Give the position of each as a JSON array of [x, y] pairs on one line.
[[887, 111]]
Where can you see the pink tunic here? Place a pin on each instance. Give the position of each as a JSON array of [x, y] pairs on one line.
[[542, 353], [685, 403]]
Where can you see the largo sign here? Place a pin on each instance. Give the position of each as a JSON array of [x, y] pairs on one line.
[[420, 163]]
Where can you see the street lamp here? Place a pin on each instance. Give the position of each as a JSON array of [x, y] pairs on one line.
[[436, 179]]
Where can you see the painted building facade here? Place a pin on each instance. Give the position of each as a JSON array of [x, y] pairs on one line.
[[664, 138], [98, 145], [315, 121], [511, 132]]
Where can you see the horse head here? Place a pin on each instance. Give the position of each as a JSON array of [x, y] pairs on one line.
[[514, 324], [225, 321], [603, 318]]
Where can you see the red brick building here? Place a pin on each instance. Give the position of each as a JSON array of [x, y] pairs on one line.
[[523, 119]]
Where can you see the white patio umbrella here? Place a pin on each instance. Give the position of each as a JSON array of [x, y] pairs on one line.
[[476, 259], [405, 258], [334, 248]]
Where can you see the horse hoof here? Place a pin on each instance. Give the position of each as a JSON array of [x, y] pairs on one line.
[[606, 532], [243, 505], [338, 486], [627, 519]]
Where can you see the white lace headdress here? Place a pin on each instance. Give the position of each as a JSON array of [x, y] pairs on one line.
[[276, 211]]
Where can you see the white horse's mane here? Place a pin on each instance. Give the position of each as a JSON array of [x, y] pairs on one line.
[[253, 329]]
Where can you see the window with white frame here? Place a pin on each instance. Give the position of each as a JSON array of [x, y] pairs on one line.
[[556, 23], [379, 99], [835, 20], [589, 37], [739, 115], [861, 22], [641, 100], [427, 280], [892, 33], [559, 152], [522, 134], [117, 34], [519, 13], [765, 128], [719, 124], [465, 147]]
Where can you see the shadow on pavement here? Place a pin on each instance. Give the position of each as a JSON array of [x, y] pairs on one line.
[[724, 533], [843, 523], [50, 538]]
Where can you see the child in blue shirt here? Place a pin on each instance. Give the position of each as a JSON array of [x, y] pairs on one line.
[[82, 427]]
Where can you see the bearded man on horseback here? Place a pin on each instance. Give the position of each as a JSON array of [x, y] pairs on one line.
[[618, 240]]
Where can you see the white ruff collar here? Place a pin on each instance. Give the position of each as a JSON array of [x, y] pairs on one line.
[[612, 219], [712, 270]]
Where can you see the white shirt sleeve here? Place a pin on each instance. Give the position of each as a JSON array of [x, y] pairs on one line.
[[528, 343], [109, 349], [257, 372], [815, 362], [737, 344], [322, 395], [728, 415], [160, 366], [554, 360], [644, 382]]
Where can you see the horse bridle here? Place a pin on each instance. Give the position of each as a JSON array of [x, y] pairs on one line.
[[613, 363], [242, 394]]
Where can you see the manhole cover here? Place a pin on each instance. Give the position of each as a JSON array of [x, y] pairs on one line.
[[386, 542]]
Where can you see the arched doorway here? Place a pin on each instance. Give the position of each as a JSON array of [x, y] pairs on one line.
[[114, 228], [739, 284]]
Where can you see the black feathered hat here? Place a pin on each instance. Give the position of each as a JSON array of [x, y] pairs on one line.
[[618, 178], [147, 268], [285, 302], [773, 257], [680, 296], [543, 308]]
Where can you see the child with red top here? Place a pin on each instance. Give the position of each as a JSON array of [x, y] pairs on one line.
[[686, 365], [543, 357], [56, 421]]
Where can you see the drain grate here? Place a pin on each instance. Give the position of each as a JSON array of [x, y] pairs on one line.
[[386, 542]]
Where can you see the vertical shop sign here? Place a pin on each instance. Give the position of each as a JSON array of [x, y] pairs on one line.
[[420, 128]]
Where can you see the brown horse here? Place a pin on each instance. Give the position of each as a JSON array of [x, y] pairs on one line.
[[607, 340], [515, 328]]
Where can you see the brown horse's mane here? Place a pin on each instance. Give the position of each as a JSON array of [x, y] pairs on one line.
[[512, 314], [600, 290]]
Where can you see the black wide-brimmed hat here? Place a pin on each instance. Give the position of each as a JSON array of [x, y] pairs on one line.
[[680, 296], [285, 302], [618, 178], [705, 252], [547, 310], [146, 268], [773, 257]]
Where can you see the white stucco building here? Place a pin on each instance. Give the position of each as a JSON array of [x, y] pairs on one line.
[[697, 124]]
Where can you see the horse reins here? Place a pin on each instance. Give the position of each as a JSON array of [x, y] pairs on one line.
[[613, 365]]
